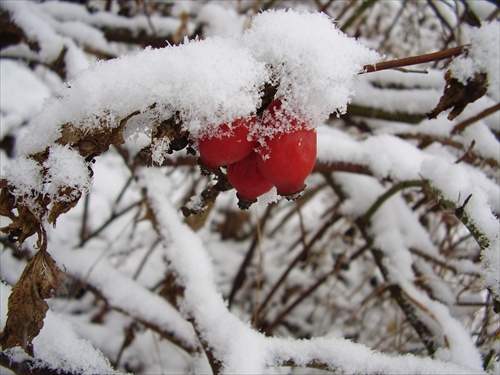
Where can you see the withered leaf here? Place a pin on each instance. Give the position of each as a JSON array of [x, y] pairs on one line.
[[25, 223], [7, 200], [94, 143], [64, 205], [40, 279], [171, 129], [458, 96]]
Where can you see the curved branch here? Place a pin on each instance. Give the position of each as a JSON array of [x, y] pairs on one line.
[[460, 127], [389, 193], [29, 366]]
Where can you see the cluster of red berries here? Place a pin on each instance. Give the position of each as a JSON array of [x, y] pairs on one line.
[[284, 161]]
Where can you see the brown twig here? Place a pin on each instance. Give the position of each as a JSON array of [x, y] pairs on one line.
[[415, 60], [336, 270], [295, 261], [242, 272], [29, 366], [324, 167], [460, 127]]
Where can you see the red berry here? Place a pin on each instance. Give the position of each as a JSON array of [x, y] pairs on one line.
[[231, 147], [290, 159], [245, 177], [289, 156]]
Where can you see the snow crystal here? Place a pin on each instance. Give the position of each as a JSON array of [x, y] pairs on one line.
[[483, 57], [196, 203], [313, 62], [25, 175], [159, 149], [66, 169], [207, 82], [210, 82]]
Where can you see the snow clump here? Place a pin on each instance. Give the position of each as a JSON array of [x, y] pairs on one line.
[[213, 81]]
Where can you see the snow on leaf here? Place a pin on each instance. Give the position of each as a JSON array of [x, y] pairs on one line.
[[207, 82], [482, 57], [312, 62], [65, 169], [26, 176]]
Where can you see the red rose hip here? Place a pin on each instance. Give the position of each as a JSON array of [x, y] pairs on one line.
[[290, 149], [246, 178], [231, 147], [288, 160]]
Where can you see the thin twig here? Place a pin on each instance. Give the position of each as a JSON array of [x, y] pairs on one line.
[[336, 269], [357, 13], [241, 275], [108, 222], [296, 260], [259, 266], [380, 201], [460, 127], [415, 60]]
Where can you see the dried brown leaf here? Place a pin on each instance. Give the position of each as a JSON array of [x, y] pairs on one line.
[[171, 129], [457, 95], [7, 200], [60, 207], [40, 279], [25, 222]]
